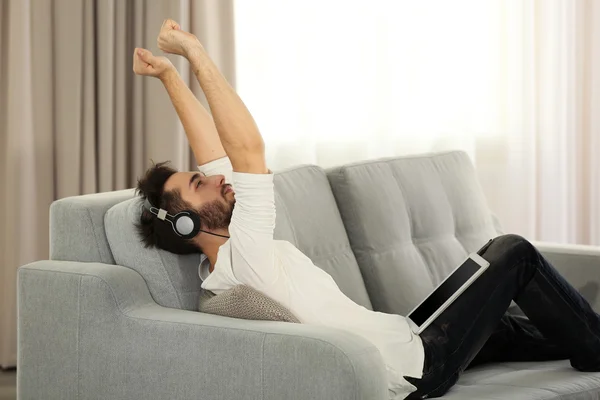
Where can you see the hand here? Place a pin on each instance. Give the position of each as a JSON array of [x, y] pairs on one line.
[[144, 63], [172, 39]]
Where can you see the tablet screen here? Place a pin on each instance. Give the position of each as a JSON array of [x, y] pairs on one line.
[[444, 291]]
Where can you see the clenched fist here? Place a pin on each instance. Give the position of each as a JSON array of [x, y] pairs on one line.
[[144, 63], [172, 39]]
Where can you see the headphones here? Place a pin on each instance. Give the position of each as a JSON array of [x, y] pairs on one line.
[[186, 224]]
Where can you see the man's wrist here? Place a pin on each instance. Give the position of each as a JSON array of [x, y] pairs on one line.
[[168, 75], [193, 50]]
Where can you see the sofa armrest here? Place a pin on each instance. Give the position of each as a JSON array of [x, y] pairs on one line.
[[579, 264], [91, 330]]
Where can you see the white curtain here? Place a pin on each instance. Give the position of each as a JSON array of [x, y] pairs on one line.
[[515, 83]]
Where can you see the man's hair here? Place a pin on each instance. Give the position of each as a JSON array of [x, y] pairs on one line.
[[153, 231]]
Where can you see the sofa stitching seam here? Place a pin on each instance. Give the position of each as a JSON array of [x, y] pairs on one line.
[[89, 213], [411, 221], [342, 251], [413, 242], [351, 203], [436, 167]]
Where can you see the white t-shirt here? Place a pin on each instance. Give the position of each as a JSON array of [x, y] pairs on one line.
[[279, 270]]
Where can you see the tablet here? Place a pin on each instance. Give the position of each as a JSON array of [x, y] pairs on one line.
[[447, 291]]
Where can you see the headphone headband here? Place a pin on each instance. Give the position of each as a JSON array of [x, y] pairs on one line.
[[159, 212]]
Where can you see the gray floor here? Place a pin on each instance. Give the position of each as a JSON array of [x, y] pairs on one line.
[[8, 385]]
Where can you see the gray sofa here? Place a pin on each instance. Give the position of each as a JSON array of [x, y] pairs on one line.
[[106, 319]]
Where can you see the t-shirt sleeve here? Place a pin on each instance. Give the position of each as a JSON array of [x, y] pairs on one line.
[[221, 166], [251, 229]]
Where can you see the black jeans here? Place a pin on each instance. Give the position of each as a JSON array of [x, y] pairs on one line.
[[475, 329]]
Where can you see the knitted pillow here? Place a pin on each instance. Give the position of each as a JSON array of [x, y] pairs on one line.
[[244, 302]]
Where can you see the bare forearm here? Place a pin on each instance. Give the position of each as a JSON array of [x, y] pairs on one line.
[[197, 122], [236, 127]]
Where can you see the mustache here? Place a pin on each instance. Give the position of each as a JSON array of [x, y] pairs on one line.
[[225, 187]]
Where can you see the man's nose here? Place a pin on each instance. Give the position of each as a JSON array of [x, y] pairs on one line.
[[219, 180]]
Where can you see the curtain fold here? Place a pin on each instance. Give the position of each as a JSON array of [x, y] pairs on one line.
[[74, 119], [542, 179]]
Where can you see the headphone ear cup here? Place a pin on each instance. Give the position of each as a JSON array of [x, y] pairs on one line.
[[187, 224]]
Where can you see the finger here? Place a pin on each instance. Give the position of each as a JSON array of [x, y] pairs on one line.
[[172, 23], [138, 51], [145, 55], [169, 24], [136, 57]]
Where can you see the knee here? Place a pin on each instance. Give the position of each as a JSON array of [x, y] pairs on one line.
[[512, 240], [511, 246]]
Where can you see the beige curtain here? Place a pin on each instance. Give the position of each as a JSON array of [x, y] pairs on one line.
[[74, 119]]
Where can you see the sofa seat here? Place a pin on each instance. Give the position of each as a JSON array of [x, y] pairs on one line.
[[526, 381]]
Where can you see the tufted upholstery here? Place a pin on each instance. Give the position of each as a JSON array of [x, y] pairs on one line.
[[307, 216], [410, 222]]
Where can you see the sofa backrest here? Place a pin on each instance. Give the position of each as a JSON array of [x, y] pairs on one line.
[[77, 227], [408, 221], [411, 221], [307, 216]]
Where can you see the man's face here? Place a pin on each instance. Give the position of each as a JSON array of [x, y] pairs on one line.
[[210, 196]]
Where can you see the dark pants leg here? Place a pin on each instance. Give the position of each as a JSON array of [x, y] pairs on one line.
[[517, 272], [517, 339]]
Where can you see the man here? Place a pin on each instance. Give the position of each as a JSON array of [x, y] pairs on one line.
[[238, 247]]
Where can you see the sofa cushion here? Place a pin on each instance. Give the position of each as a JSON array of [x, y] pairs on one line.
[[244, 302], [307, 216], [172, 279], [411, 221], [555, 380]]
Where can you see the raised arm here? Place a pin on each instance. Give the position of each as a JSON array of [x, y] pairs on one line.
[[239, 134], [197, 122]]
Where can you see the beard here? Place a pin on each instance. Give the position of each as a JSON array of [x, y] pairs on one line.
[[216, 215]]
